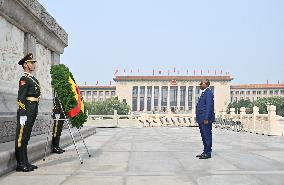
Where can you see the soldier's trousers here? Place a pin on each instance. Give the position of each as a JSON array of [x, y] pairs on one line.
[[57, 129], [23, 132]]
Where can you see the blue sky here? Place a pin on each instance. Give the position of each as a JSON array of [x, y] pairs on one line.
[[243, 37]]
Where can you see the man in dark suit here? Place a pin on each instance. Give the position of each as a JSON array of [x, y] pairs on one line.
[[205, 116]]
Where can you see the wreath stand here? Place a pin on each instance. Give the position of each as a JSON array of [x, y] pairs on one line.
[[66, 121]]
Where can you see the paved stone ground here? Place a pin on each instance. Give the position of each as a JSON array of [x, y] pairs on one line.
[[162, 156]]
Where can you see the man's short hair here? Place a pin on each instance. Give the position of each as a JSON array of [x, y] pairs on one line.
[[207, 82]]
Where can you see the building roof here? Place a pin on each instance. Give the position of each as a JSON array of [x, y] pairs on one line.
[[169, 78], [88, 87], [258, 86]]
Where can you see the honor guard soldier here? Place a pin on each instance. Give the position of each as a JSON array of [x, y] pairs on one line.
[[57, 126], [28, 99]]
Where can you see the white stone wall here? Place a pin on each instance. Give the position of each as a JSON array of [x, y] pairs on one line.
[[42, 72], [11, 51]]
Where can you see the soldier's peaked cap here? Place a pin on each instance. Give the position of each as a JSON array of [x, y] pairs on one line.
[[27, 58]]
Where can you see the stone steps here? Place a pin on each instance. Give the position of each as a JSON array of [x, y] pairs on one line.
[[36, 147]]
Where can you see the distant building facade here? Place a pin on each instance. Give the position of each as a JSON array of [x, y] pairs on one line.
[[97, 93], [254, 92], [165, 93]]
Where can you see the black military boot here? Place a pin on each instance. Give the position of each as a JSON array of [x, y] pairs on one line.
[[55, 146], [29, 165], [21, 164], [58, 144]]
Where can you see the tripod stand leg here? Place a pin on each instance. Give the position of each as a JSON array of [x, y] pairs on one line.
[[49, 128], [74, 142], [79, 130]]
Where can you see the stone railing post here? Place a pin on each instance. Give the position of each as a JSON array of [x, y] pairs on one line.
[[254, 114], [232, 112], [274, 127], [115, 117], [223, 112], [242, 113]]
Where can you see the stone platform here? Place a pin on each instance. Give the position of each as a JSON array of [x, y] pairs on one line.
[[162, 156]]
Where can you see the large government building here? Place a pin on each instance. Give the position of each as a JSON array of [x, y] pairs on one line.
[[254, 92], [176, 93], [160, 93], [97, 93]]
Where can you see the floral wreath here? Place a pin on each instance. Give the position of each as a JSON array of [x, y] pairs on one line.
[[69, 95]]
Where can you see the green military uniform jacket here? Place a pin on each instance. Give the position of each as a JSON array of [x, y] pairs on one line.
[[28, 88]]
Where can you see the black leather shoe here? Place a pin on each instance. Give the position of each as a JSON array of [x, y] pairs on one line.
[[205, 156], [32, 166], [61, 149], [200, 155], [57, 151], [23, 168]]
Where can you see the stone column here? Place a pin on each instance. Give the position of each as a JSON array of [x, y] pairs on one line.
[[145, 98], [193, 99], [186, 98], [178, 98], [168, 99], [160, 98], [152, 98], [138, 99]]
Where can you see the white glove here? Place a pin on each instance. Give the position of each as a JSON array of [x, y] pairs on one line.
[[23, 120], [57, 116]]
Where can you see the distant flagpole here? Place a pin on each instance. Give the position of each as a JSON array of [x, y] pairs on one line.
[[116, 71]]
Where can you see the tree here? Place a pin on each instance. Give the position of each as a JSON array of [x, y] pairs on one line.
[[261, 103], [108, 106], [242, 103], [278, 101]]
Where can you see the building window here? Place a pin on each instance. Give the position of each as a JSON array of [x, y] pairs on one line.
[[149, 98], [190, 97], [142, 91], [156, 96], [242, 92], [149, 91], [142, 103], [232, 92], [237, 92], [164, 96], [248, 93], [112, 93], [270, 92], [134, 98], [254, 92], [265, 92], [182, 96], [173, 96], [258, 92], [276, 92], [107, 93]]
